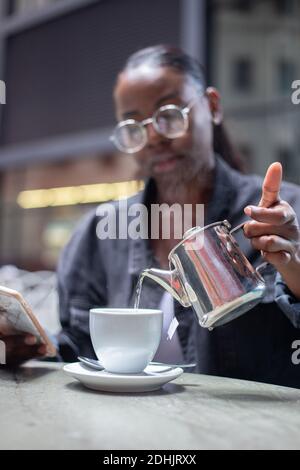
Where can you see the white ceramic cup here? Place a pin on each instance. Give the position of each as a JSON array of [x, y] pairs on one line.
[[125, 340]]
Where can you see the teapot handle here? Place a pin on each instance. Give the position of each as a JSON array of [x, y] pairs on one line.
[[263, 265], [238, 227]]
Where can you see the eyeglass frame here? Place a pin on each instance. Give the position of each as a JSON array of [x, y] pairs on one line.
[[145, 122]]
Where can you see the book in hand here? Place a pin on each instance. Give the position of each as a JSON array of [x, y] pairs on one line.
[[17, 317]]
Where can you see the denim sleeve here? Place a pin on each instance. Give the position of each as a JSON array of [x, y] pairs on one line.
[[81, 286], [287, 302]]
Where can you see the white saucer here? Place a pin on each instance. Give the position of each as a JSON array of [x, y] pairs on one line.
[[149, 380]]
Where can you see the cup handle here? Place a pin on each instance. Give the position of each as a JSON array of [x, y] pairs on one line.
[[262, 265]]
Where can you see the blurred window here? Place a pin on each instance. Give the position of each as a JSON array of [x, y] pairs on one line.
[[243, 5], [287, 73], [284, 7], [242, 74], [68, 65], [287, 157], [256, 93]]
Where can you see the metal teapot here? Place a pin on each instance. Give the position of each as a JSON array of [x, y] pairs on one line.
[[210, 273]]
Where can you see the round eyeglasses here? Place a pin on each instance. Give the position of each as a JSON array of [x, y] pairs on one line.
[[171, 121]]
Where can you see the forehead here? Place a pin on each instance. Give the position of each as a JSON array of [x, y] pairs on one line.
[[146, 85]]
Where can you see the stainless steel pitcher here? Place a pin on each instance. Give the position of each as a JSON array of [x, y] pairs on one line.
[[211, 274]]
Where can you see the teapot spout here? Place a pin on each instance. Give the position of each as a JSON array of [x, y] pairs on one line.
[[171, 282]]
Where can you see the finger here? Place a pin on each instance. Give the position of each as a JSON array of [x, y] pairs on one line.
[[30, 340], [42, 350], [17, 351], [257, 229], [278, 215], [14, 342], [16, 357], [6, 328], [18, 338], [278, 259], [21, 342], [271, 185], [272, 244]]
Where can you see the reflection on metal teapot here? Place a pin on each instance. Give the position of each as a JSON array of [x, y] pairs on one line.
[[209, 272]]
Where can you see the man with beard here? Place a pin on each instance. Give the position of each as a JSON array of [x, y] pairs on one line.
[[172, 125]]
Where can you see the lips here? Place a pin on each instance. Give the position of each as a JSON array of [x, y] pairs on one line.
[[166, 163]]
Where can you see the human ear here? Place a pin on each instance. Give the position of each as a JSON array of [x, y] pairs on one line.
[[214, 101]]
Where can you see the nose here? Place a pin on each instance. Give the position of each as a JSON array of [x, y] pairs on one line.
[[154, 137]]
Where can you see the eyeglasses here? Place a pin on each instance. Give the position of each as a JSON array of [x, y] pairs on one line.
[[171, 121]]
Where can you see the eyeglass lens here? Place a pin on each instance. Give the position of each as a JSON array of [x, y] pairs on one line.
[[170, 122]]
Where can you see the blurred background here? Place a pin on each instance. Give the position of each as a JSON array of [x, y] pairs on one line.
[[59, 60]]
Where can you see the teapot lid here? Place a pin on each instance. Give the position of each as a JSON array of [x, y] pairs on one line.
[[194, 230]]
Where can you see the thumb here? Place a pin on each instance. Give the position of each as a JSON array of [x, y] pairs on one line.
[[271, 185]]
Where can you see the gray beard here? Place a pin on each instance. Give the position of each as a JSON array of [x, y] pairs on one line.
[[181, 185]]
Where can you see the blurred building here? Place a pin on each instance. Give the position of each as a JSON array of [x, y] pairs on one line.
[[59, 59], [254, 60]]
